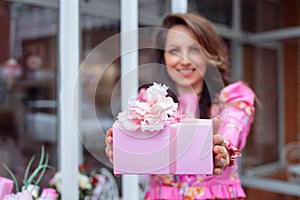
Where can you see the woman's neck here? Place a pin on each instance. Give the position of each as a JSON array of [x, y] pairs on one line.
[[197, 89]]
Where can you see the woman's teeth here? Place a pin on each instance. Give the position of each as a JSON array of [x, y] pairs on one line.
[[185, 71]]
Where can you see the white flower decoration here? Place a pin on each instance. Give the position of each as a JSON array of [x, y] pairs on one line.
[[84, 182], [150, 112], [57, 181], [32, 189]]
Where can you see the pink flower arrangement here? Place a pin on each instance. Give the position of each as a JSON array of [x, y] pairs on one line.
[[150, 111], [30, 188], [47, 194]]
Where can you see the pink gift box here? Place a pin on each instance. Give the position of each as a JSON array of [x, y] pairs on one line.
[[6, 186], [180, 148]]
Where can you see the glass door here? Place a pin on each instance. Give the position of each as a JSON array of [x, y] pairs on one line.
[[28, 88]]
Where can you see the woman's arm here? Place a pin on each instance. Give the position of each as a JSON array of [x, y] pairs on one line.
[[237, 113]]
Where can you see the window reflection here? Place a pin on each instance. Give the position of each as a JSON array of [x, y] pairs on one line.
[[28, 64], [216, 11], [291, 161], [261, 69], [273, 72], [99, 77], [255, 18]]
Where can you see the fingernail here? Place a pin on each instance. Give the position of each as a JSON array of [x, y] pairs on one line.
[[217, 171], [110, 132], [220, 156], [217, 150]]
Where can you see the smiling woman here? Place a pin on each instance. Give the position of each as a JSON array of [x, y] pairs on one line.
[[195, 60]]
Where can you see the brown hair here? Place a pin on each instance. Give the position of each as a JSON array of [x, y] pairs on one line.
[[214, 47]]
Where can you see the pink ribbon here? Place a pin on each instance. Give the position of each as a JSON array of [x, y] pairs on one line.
[[173, 149]]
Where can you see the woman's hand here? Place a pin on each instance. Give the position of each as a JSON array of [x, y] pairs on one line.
[[109, 144], [221, 154]]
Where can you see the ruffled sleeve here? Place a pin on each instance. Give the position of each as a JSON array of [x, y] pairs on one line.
[[237, 110]]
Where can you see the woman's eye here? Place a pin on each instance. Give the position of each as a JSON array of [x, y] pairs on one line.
[[173, 51], [196, 50]]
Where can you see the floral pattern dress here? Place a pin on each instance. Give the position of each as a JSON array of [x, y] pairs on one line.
[[236, 106]]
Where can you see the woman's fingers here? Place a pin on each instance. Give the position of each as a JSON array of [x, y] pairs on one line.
[[216, 123], [219, 150], [109, 143], [109, 152], [217, 171], [108, 137], [108, 140], [221, 154], [218, 140], [221, 158], [109, 133]]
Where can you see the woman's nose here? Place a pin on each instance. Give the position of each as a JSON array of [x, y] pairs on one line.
[[185, 59]]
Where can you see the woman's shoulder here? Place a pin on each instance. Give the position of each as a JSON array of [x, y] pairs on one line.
[[238, 91]]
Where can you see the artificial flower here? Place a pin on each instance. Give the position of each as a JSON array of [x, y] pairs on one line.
[[24, 195], [84, 182], [32, 189], [49, 194], [149, 111], [56, 181]]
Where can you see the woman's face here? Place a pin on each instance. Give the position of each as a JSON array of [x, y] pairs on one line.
[[185, 61]]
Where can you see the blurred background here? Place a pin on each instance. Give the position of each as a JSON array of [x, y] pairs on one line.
[[264, 41]]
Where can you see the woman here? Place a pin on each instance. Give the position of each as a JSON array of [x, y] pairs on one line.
[[196, 61]]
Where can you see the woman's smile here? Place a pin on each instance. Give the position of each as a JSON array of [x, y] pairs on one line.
[[186, 72]]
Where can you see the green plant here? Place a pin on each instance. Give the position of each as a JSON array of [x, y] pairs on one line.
[[35, 177]]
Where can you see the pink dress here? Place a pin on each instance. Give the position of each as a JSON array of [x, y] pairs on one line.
[[236, 106]]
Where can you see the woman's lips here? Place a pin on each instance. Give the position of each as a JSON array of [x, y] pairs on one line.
[[186, 72]]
